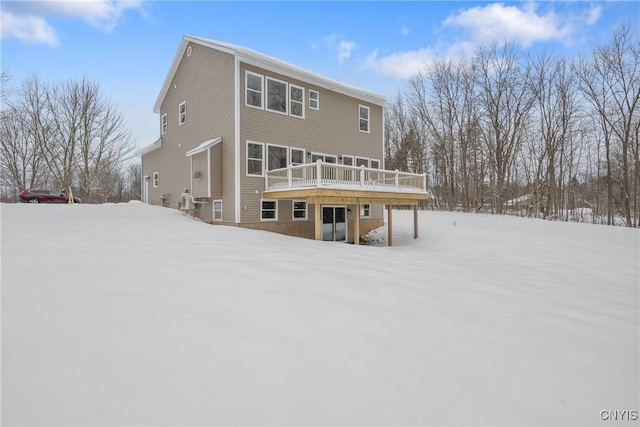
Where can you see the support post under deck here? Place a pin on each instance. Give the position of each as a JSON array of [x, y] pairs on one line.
[[318, 221], [390, 225]]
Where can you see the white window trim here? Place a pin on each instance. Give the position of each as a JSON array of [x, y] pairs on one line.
[[361, 207], [246, 156], [266, 91], [246, 89], [304, 154], [324, 155], [180, 122], [164, 124], [317, 107], [156, 181], [214, 209], [291, 85], [355, 161], [267, 155], [306, 210], [368, 118], [276, 210]]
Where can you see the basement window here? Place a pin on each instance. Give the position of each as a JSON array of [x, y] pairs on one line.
[[299, 210], [268, 210]]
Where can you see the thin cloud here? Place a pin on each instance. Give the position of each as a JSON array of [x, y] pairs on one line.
[[28, 29], [494, 22], [344, 50], [338, 47], [30, 21], [404, 31], [400, 64], [498, 22]]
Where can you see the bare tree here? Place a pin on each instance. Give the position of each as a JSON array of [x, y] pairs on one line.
[[506, 101], [610, 82]]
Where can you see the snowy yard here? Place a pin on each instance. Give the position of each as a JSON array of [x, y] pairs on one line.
[[129, 314]]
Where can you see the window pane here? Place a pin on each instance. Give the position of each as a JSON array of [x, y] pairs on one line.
[[277, 157], [316, 157], [313, 95], [296, 109], [255, 151], [254, 98], [254, 82], [277, 96], [268, 214], [330, 159], [313, 103], [375, 164], [299, 205], [364, 113], [348, 161], [296, 94], [297, 156], [360, 162], [271, 205], [254, 167], [299, 214], [364, 125]]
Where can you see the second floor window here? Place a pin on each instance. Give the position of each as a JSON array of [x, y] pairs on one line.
[[364, 118], [254, 90], [164, 123], [182, 113], [296, 100], [276, 96], [314, 100], [155, 180]]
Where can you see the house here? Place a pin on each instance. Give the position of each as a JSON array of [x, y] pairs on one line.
[[251, 141]]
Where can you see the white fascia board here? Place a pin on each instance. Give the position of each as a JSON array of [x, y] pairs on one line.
[[204, 146], [150, 147], [297, 73]]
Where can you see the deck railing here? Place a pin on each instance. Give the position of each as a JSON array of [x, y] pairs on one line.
[[322, 174]]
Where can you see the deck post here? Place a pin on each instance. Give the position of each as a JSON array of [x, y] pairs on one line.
[[318, 221], [356, 225], [415, 221], [289, 178], [390, 225], [397, 178], [318, 172]]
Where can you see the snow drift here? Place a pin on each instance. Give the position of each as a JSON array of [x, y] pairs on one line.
[[129, 314]]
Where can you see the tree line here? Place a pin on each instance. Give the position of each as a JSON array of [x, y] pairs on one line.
[[63, 135], [506, 131]]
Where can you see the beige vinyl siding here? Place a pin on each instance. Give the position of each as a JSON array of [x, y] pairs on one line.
[[333, 129], [200, 186], [216, 175], [205, 81]]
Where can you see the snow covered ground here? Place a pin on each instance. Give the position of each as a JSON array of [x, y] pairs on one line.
[[129, 314]]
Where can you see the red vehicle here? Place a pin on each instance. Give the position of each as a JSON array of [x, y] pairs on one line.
[[44, 196]]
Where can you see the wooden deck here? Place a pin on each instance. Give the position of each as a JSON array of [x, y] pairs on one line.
[[330, 184]]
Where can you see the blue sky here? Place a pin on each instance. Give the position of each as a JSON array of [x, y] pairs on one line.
[[128, 46]]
